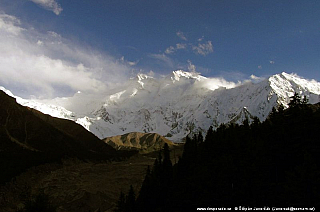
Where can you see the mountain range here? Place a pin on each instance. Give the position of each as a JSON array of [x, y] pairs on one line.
[[179, 104]]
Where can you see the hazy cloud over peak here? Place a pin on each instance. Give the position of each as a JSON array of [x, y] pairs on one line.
[[255, 78], [191, 67], [51, 5], [47, 65]]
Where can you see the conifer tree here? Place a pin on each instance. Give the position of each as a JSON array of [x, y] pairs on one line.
[[190, 148], [256, 121], [305, 100], [145, 200], [280, 109], [200, 138], [156, 168], [160, 158], [167, 164], [186, 148], [209, 135], [166, 156], [121, 203], [274, 111], [130, 200], [295, 100]]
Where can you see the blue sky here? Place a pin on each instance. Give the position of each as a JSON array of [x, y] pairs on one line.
[[106, 41]]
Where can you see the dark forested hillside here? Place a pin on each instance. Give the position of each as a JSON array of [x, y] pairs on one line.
[[275, 163]]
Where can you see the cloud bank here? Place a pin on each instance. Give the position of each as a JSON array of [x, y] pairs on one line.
[[47, 65], [51, 5]]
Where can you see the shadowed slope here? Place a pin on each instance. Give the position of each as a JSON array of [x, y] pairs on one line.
[[29, 138]]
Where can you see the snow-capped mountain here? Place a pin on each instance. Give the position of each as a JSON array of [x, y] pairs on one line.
[[53, 110], [184, 102]]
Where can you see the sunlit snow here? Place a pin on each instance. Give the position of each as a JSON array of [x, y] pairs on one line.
[[180, 103]]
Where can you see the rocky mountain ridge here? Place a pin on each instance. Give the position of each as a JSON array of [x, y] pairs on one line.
[[184, 102]]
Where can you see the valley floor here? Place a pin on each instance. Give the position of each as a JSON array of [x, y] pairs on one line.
[[77, 186]]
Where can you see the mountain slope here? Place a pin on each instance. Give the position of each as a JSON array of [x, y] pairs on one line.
[[29, 138], [144, 142], [183, 103]]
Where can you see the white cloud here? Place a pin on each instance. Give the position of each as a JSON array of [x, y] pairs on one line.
[[47, 65], [127, 62], [51, 5], [132, 63], [10, 24], [201, 39], [253, 77], [45, 73], [53, 34], [215, 83], [170, 50], [181, 35], [191, 67], [39, 42], [203, 48], [181, 46], [162, 57], [178, 46]]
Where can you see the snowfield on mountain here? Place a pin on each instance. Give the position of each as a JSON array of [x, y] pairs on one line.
[[180, 103]]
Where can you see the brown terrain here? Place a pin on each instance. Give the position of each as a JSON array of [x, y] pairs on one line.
[[76, 185], [144, 142]]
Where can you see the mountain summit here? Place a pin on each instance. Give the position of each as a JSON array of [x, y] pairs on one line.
[[186, 102]]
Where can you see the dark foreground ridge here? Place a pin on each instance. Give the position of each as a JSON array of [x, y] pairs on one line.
[[29, 138]]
